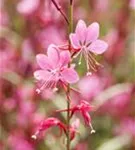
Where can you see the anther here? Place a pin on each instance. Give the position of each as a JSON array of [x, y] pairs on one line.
[[35, 135], [92, 130]]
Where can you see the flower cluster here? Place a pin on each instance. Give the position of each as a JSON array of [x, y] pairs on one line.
[[84, 108], [67, 64], [56, 68]]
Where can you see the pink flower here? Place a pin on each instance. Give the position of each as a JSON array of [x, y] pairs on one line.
[[48, 123], [84, 108], [54, 68], [51, 122], [85, 39]]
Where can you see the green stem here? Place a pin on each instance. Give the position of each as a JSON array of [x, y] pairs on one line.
[[70, 17], [70, 29]]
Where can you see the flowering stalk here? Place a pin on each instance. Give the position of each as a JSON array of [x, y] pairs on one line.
[[68, 88], [55, 67]]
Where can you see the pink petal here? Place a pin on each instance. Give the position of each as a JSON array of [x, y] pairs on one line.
[[42, 75], [69, 75], [64, 58], [74, 40], [53, 55], [43, 61], [92, 32], [86, 117], [81, 31], [98, 47]]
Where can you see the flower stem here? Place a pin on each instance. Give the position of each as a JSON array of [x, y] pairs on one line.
[[68, 120], [70, 29]]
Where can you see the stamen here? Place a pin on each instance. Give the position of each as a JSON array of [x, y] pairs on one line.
[[46, 84], [86, 59], [95, 61], [35, 135], [98, 64], [75, 56], [92, 130], [92, 62], [52, 85]]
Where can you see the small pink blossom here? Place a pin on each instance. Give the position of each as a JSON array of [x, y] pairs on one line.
[[48, 123], [84, 108], [54, 68], [85, 40]]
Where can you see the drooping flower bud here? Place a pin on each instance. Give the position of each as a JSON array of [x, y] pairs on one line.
[[48, 123]]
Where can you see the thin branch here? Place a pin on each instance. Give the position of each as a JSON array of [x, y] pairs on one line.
[[58, 7]]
